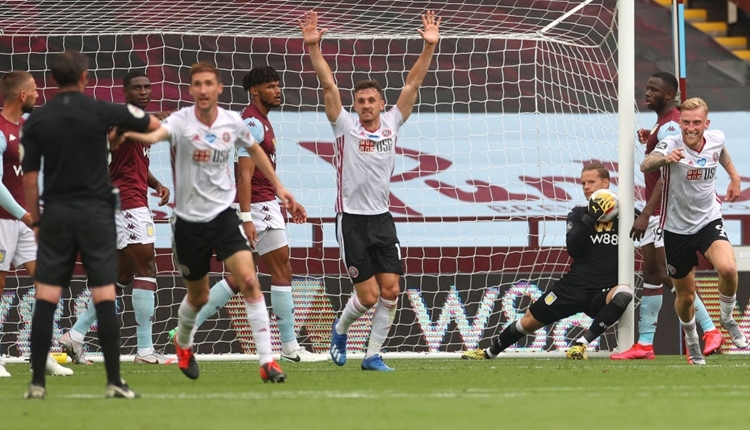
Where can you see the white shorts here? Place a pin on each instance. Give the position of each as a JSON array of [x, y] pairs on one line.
[[17, 244], [653, 233], [134, 226], [270, 226]]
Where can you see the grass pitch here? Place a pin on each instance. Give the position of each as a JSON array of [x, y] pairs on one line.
[[422, 394]]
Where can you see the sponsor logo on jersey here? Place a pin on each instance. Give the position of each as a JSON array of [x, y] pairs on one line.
[[225, 137], [12, 138], [671, 269], [694, 174], [715, 157], [661, 145], [671, 128], [551, 297], [701, 162], [366, 145], [211, 155], [210, 138], [353, 272]]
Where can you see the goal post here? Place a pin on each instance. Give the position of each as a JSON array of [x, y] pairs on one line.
[[519, 97]]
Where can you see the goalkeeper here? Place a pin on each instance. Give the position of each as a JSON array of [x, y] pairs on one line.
[[590, 286]]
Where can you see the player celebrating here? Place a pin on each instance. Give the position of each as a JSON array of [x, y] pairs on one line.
[[17, 240], [202, 137], [129, 172], [364, 158], [691, 217], [590, 286], [661, 90], [262, 217]]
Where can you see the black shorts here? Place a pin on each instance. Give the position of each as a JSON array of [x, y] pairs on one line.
[[562, 301], [85, 226], [681, 248], [195, 242], [368, 245]]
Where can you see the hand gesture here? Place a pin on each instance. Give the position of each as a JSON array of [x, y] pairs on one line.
[[675, 156], [287, 199], [163, 193], [299, 215], [431, 24], [251, 233], [643, 135], [309, 26], [639, 227], [733, 191], [26, 219]]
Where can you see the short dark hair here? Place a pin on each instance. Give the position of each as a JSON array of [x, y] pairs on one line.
[[68, 66], [367, 84], [11, 84], [259, 75], [132, 75], [599, 167], [669, 80], [202, 67]]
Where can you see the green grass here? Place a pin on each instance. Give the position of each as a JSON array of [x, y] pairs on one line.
[[421, 394]]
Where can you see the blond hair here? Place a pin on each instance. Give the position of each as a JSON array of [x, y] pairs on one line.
[[693, 104]]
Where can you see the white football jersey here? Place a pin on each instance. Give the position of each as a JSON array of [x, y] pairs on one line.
[[364, 162], [689, 200], [202, 161]]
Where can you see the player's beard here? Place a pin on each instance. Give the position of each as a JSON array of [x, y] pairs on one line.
[[271, 105], [27, 109]]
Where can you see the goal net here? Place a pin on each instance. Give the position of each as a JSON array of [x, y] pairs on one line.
[[519, 97]]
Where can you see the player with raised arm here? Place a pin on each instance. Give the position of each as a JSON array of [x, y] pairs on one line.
[[590, 286], [129, 172], [202, 138], [364, 158], [661, 91], [692, 220], [17, 240], [262, 217]]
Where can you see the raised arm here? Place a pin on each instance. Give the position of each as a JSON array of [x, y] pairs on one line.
[[312, 37], [733, 190], [431, 35]]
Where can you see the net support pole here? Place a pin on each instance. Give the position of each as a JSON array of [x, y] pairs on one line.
[[626, 168], [678, 47]]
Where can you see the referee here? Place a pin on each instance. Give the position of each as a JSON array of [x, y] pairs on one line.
[[69, 134]]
